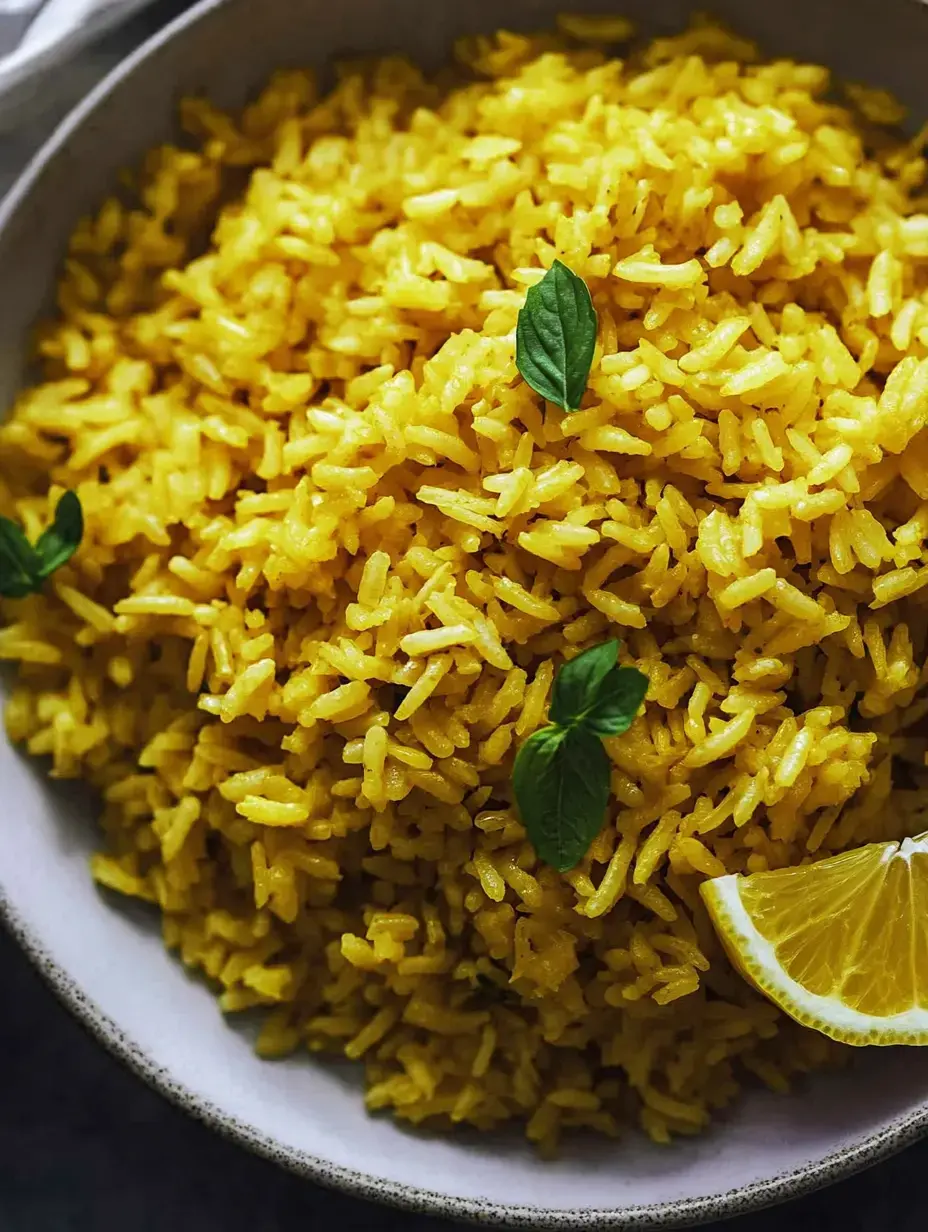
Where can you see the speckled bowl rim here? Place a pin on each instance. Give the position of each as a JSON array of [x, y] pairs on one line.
[[678, 1213]]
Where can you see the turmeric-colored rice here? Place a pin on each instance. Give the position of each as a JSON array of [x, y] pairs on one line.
[[337, 549]]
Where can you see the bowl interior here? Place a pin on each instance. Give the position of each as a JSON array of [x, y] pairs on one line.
[[108, 961]]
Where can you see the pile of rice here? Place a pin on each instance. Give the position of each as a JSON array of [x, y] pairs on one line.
[[337, 549]]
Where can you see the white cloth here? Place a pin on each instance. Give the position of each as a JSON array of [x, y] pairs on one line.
[[31, 79], [29, 116]]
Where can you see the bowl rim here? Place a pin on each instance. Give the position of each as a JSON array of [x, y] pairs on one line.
[[676, 1213]]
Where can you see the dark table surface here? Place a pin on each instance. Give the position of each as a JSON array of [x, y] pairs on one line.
[[85, 1146]]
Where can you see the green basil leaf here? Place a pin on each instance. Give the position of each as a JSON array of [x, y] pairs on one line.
[[577, 684], [556, 337], [56, 545], [618, 700], [19, 562], [561, 783]]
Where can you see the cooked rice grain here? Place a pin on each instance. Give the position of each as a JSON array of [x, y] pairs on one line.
[[336, 550]]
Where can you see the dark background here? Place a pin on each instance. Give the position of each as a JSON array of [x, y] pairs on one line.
[[85, 1146]]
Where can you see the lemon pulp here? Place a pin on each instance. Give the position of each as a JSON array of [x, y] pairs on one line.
[[840, 945]]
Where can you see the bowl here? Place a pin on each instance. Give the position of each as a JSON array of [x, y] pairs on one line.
[[106, 959]]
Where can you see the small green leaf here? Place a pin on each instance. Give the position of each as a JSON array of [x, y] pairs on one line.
[[577, 684], [19, 562], [56, 545], [561, 783], [537, 753], [618, 700], [23, 568], [561, 773], [556, 337]]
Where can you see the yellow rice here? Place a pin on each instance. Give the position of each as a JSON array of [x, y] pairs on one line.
[[336, 550]]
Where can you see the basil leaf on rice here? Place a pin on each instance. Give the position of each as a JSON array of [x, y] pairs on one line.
[[561, 784], [618, 700], [556, 337], [20, 564], [56, 545], [23, 568], [576, 686]]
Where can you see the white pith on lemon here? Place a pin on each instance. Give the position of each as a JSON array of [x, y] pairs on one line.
[[841, 945]]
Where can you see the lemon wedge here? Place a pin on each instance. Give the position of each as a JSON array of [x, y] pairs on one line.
[[840, 945]]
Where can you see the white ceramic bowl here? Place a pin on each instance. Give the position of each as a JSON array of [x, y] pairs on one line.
[[106, 960]]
